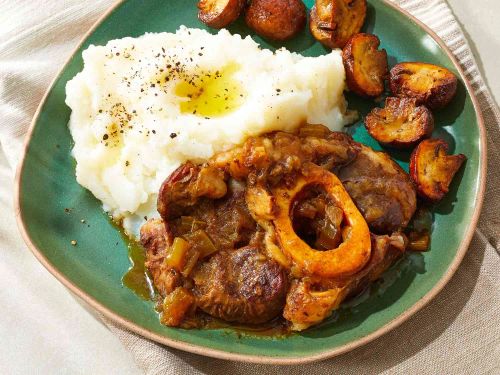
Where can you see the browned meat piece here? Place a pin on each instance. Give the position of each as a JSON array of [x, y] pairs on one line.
[[186, 185], [226, 220], [276, 157], [310, 300], [154, 240], [381, 189], [240, 286], [222, 245]]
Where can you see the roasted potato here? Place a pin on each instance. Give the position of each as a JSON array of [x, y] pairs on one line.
[[432, 169], [401, 123], [219, 13], [431, 85], [365, 66], [334, 22], [276, 19]]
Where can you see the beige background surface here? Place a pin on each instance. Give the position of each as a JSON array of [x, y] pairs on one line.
[[480, 21], [75, 342]]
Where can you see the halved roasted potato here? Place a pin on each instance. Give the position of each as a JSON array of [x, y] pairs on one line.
[[365, 66], [334, 22], [432, 169], [431, 85], [401, 123], [276, 19], [219, 13]]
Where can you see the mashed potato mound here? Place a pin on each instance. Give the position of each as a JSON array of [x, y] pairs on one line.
[[142, 106]]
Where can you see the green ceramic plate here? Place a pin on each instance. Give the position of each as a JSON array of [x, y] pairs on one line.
[[93, 269]]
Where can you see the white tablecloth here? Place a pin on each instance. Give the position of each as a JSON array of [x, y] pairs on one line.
[[44, 330]]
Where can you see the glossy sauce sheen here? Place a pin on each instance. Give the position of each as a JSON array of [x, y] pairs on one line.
[[137, 278]]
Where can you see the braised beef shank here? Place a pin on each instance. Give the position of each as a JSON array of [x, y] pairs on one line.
[[235, 267]]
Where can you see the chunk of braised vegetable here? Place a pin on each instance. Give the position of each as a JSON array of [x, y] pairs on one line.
[[334, 22], [419, 240], [401, 123], [276, 19], [176, 257], [429, 84], [365, 65], [191, 259], [200, 241], [175, 306], [219, 13], [432, 169]]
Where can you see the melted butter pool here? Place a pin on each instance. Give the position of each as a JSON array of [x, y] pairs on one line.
[[211, 94]]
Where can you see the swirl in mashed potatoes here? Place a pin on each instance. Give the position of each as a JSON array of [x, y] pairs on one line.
[[142, 106]]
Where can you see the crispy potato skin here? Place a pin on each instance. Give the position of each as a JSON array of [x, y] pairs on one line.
[[276, 19], [334, 22], [432, 169], [401, 123], [429, 84], [366, 67], [219, 13]]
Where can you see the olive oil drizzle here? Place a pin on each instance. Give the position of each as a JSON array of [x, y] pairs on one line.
[[211, 94]]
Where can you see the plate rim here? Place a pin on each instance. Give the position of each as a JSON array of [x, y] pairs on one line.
[[250, 358]]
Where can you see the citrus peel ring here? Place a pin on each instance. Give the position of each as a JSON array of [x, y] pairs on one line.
[[351, 255]]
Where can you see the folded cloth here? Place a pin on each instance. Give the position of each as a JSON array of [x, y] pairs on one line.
[[458, 333]]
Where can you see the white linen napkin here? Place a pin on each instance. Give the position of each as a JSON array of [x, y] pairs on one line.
[[457, 333]]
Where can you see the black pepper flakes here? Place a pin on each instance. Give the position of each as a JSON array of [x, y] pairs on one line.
[[104, 137], [173, 135]]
